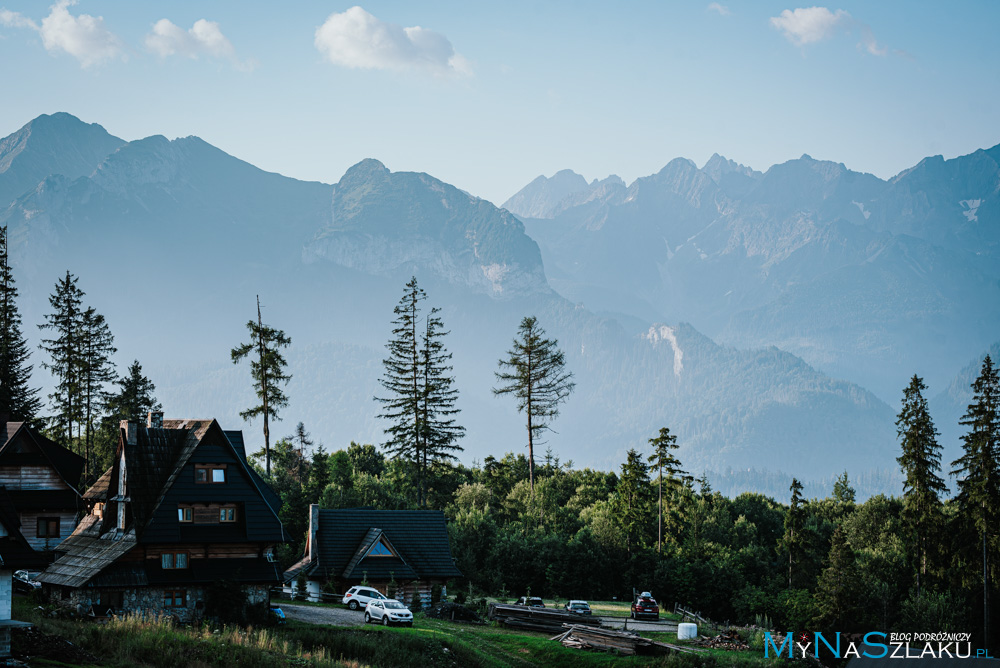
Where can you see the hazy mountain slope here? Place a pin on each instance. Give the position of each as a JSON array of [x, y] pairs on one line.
[[172, 240], [865, 279], [56, 144], [949, 404]]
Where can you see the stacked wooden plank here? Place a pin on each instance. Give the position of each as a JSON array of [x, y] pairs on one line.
[[537, 619], [620, 642]]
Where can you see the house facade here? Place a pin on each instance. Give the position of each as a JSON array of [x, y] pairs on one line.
[[179, 510], [41, 478], [401, 553]]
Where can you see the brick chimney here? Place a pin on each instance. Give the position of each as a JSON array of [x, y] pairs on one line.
[[154, 420]]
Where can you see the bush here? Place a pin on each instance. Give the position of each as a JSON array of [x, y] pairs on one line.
[[460, 597], [435, 594]]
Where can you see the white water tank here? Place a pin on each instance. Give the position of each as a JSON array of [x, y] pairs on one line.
[[687, 631]]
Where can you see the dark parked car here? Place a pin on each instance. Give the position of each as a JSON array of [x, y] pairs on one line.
[[645, 607], [25, 582], [578, 607], [530, 601]]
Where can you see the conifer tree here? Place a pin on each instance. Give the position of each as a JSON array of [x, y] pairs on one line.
[[920, 461], [96, 370], [793, 540], [64, 351], [302, 439], [842, 490], [17, 398], [979, 474], [663, 460], [634, 498], [535, 373], [838, 589], [421, 402], [267, 368], [134, 399]]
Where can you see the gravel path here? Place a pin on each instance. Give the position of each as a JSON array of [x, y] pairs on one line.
[[333, 615]]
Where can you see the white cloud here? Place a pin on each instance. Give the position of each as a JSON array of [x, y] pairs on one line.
[[9, 19], [808, 25], [721, 10], [204, 38], [357, 39], [84, 37]]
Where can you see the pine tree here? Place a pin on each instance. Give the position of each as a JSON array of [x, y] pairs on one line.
[[268, 372], [65, 353], [664, 460], [920, 462], [96, 370], [134, 399], [793, 540], [439, 430], [302, 439], [838, 589], [634, 498], [17, 399], [537, 377], [402, 380], [842, 490], [421, 404], [979, 474]]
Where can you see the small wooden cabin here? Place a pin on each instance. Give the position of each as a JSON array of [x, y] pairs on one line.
[[41, 478], [179, 509], [401, 553]]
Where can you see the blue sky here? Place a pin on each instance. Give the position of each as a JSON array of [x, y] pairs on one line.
[[488, 96]]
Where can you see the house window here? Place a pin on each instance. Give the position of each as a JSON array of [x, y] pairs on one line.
[[227, 514], [173, 560], [174, 598], [379, 549], [210, 474], [184, 515], [48, 527]]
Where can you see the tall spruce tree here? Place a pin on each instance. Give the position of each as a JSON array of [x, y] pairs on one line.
[[96, 370], [838, 589], [920, 462], [267, 368], [440, 431], [634, 499], [534, 371], [64, 351], [793, 540], [664, 461], [979, 476], [420, 407], [135, 397], [17, 398]]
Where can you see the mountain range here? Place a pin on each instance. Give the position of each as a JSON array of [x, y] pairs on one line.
[[750, 312]]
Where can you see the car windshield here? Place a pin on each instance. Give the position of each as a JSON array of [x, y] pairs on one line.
[[394, 605], [32, 575], [580, 605]]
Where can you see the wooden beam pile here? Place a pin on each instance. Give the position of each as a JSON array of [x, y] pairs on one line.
[[537, 619], [620, 642]]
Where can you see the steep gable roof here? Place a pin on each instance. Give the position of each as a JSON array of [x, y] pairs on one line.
[[67, 464], [419, 539]]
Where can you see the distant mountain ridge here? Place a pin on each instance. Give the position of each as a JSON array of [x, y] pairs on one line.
[[862, 277], [172, 240]]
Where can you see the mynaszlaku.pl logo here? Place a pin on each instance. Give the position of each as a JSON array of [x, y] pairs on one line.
[[874, 645]]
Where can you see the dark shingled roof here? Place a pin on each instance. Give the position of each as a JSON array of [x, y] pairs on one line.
[[86, 553], [68, 465], [419, 538], [99, 490]]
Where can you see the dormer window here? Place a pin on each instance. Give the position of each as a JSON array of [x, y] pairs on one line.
[[210, 473], [380, 549]]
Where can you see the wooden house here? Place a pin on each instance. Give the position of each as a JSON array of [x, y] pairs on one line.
[[178, 510], [401, 553], [41, 478], [15, 554]]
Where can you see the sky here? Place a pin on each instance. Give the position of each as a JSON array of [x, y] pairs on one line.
[[487, 96]]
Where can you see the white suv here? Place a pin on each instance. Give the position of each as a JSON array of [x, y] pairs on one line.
[[358, 597], [388, 612]]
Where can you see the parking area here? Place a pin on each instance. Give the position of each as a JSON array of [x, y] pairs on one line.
[[314, 614]]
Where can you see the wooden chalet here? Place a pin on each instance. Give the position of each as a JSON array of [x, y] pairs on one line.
[[180, 509], [401, 553], [15, 553], [41, 478]]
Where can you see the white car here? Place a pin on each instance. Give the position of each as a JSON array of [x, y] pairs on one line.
[[389, 611], [358, 597]]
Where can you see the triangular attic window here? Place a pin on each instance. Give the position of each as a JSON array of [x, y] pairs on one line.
[[380, 549]]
